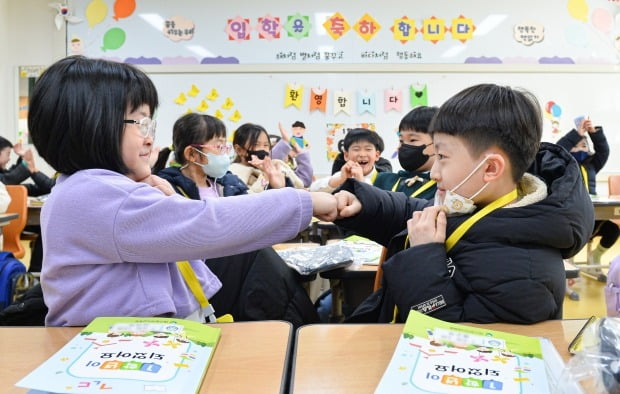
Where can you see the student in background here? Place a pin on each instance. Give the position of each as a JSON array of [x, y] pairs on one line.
[[294, 154], [23, 169], [200, 172], [253, 164], [382, 164], [590, 163], [362, 149], [113, 232], [416, 156], [490, 247]]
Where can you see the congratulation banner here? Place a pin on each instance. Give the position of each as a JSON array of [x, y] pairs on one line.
[[318, 99], [294, 95]]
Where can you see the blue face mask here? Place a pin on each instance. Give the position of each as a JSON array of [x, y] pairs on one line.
[[580, 156], [217, 165]]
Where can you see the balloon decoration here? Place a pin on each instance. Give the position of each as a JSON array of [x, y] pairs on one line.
[[96, 12], [124, 8], [602, 20], [113, 39], [553, 110]]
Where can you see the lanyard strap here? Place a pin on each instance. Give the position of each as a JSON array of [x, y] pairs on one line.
[[424, 187], [373, 176], [584, 174], [192, 282], [466, 225], [418, 191]]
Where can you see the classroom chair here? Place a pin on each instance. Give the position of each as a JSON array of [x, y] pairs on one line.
[[12, 231]]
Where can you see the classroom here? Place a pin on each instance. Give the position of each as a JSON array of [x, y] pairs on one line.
[[335, 66]]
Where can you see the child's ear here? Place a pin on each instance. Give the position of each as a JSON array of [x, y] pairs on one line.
[[494, 167], [188, 152]]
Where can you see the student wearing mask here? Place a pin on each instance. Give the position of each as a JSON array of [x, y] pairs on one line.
[[416, 156], [507, 211], [590, 163], [200, 172], [253, 163]]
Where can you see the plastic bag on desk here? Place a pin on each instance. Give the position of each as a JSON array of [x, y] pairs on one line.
[[596, 360], [308, 261]]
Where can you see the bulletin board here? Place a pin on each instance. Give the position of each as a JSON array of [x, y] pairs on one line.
[[264, 98], [345, 32]]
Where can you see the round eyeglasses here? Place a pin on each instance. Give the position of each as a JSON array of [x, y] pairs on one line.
[[145, 125], [220, 148]]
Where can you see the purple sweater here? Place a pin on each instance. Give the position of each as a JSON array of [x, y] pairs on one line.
[[110, 244], [303, 170]]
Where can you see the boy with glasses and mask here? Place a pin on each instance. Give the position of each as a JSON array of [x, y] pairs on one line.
[[416, 156], [507, 211]]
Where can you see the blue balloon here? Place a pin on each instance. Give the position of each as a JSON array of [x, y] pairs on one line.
[[556, 110]]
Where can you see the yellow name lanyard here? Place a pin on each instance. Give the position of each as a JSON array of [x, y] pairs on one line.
[[584, 174], [194, 285], [466, 225], [373, 176], [419, 191]]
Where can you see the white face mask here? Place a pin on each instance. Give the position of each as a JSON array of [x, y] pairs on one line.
[[457, 204], [217, 165]]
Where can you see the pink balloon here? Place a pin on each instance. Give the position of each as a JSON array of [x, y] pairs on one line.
[[602, 20]]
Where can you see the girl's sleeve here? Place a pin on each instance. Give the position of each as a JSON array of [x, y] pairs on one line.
[[174, 227]]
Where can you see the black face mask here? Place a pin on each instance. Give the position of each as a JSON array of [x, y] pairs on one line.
[[411, 157], [261, 154]]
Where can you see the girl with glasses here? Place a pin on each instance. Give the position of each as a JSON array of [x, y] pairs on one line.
[[113, 232]]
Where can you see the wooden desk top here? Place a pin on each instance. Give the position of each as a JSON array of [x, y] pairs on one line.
[[251, 357], [351, 358]]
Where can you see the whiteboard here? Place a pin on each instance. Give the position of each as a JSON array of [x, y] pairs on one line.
[[140, 32], [259, 97]]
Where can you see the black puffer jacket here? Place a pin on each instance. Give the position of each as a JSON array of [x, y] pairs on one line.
[[506, 268]]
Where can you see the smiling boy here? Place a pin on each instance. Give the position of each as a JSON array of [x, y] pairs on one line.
[[361, 151], [508, 209]]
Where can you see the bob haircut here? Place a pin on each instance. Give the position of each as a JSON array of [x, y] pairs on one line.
[[77, 110], [188, 130], [247, 135], [418, 119], [489, 115]]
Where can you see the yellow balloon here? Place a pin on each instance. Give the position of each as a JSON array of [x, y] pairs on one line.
[[578, 9], [96, 12]]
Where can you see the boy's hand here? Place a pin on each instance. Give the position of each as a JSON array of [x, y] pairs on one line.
[[351, 169], [348, 204], [324, 206], [427, 226]]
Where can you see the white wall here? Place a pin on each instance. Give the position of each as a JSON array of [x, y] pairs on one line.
[[28, 36]]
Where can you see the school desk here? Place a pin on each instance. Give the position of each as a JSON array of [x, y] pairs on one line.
[[351, 358], [5, 218], [34, 212], [606, 208], [251, 357]]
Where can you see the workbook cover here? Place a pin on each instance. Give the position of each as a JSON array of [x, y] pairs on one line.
[[129, 355], [433, 356]]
